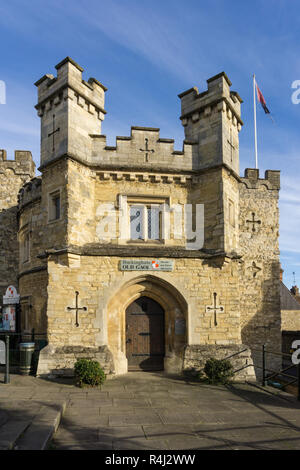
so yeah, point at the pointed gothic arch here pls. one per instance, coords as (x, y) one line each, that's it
(176, 319)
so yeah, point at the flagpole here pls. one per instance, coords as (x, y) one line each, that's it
(255, 134)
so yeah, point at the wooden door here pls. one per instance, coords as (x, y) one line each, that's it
(145, 338)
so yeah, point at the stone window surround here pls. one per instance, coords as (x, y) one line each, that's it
(231, 212)
(24, 236)
(146, 201)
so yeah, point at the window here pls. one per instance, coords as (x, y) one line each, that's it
(144, 218)
(231, 213)
(25, 313)
(25, 248)
(54, 206)
(145, 222)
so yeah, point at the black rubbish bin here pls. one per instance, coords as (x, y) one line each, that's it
(26, 354)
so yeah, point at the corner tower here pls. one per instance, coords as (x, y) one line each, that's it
(71, 109)
(213, 119)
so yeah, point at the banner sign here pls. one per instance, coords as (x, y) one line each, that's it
(146, 265)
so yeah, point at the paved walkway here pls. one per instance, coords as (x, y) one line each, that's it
(145, 410)
(150, 411)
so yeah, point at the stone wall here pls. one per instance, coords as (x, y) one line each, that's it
(260, 267)
(34, 202)
(99, 280)
(290, 320)
(33, 288)
(238, 355)
(59, 361)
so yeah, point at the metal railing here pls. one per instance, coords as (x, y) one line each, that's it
(237, 354)
(265, 370)
(276, 373)
(18, 338)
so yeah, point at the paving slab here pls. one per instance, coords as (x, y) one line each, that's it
(59, 444)
(131, 402)
(165, 431)
(134, 419)
(70, 432)
(179, 417)
(193, 443)
(113, 410)
(84, 420)
(121, 395)
(90, 402)
(140, 444)
(125, 432)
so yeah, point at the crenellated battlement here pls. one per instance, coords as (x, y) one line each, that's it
(70, 109)
(69, 85)
(30, 192)
(144, 148)
(252, 181)
(22, 164)
(217, 98)
(213, 119)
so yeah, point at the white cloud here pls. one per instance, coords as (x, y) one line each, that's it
(18, 128)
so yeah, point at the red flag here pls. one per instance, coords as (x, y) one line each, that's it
(261, 99)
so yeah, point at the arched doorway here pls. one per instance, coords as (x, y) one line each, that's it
(176, 325)
(145, 336)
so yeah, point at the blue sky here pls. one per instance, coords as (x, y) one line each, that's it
(146, 52)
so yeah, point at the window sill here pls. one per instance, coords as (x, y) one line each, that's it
(54, 220)
(145, 242)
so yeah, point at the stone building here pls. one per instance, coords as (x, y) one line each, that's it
(290, 317)
(290, 310)
(109, 230)
(295, 292)
(13, 175)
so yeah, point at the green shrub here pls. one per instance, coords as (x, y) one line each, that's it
(218, 371)
(88, 372)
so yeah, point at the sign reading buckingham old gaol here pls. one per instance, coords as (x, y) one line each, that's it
(146, 265)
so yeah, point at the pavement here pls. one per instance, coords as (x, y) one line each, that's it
(145, 411)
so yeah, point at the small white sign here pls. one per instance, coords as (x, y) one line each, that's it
(11, 296)
(2, 352)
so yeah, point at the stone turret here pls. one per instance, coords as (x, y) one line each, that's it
(71, 109)
(213, 119)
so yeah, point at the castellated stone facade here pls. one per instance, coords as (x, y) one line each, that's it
(219, 290)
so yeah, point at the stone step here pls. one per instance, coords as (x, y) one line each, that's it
(11, 431)
(39, 433)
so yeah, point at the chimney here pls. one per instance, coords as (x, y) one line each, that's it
(281, 273)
